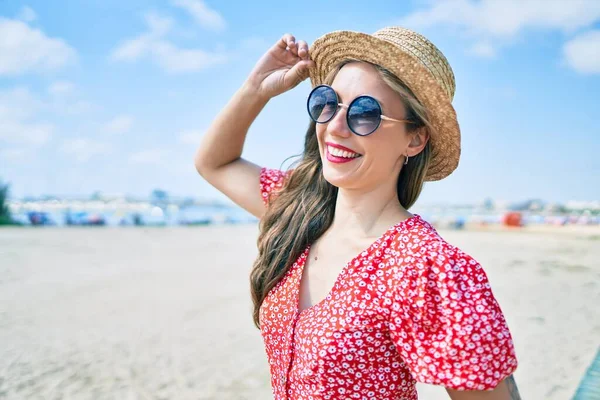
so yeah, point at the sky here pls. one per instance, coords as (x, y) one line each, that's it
(114, 96)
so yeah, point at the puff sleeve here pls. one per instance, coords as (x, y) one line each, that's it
(446, 323)
(271, 181)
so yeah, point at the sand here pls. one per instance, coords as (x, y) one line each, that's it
(165, 313)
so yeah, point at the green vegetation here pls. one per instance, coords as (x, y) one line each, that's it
(5, 218)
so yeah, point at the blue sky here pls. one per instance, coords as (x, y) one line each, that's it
(114, 96)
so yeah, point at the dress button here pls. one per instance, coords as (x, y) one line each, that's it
(283, 379)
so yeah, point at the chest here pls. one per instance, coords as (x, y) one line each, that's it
(325, 265)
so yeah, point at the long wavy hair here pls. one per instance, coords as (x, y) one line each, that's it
(304, 208)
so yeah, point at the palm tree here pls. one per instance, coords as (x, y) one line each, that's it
(5, 218)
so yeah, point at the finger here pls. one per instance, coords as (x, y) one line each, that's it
(302, 49)
(306, 67)
(293, 48)
(286, 40)
(298, 73)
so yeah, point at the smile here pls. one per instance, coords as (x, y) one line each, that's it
(338, 155)
(341, 151)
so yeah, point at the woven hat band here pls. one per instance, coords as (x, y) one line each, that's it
(425, 52)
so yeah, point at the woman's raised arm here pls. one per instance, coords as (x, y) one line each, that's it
(218, 158)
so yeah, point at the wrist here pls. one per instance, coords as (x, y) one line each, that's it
(251, 90)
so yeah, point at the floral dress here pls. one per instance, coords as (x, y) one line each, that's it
(411, 307)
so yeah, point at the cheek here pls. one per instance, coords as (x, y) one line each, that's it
(320, 129)
(383, 152)
(320, 132)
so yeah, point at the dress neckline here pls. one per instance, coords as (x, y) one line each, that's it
(415, 217)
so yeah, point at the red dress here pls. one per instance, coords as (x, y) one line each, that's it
(411, 307)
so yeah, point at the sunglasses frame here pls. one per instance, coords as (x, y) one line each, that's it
(348, 107)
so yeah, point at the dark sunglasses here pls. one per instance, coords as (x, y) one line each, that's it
(363, 114)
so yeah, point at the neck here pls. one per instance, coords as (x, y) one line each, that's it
(367, 214)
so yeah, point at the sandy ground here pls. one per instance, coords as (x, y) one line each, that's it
(131, 313)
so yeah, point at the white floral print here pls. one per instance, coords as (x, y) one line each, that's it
(409, 308)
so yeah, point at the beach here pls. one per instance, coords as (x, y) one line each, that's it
(165, 313)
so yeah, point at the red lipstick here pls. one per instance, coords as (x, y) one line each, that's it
(336, 159)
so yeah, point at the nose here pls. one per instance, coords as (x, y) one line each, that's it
(338, 125)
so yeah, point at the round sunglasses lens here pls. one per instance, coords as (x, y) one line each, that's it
(322, 104)
(364, 115)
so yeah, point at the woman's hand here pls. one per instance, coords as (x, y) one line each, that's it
(281, 68)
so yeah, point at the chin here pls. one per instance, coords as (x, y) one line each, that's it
(337, 178)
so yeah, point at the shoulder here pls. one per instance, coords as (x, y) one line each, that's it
(271, 181)
(433, 277)
(271, 178)
(443, 316)
(416, 239)
(420, 251)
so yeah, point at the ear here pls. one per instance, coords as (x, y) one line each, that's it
(419, 139)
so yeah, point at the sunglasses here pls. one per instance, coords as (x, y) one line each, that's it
(363, 114)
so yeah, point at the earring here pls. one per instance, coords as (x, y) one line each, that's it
(406, 160)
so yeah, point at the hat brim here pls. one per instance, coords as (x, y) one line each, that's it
(333, 47)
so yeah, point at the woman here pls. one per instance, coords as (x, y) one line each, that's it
(355, 296)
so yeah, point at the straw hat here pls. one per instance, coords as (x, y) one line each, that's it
(419, 64)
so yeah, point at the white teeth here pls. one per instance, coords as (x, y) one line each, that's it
(341, 153)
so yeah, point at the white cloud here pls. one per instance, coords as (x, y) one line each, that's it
(483, 49)
(24, 49)
(171, 58)
(18, 106)
(65, 105)
(132, 49)
(205, 16)
(12, 154)
(159, 25)
(177, 60)
(61, 88)
(27, 14)
(192, 137)
(149, 156)
(35, 134)
(498, 21)
(582, 53)
(507, 17)
(119, 124)
(83, 149)
(18, 103)
(29, 120)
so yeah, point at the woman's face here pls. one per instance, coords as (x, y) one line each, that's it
(381, 154)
